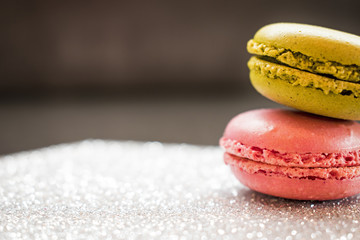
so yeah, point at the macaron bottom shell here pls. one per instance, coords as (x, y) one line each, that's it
(307, 99)
(298, 188)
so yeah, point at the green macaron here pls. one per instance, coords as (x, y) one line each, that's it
(311, 68)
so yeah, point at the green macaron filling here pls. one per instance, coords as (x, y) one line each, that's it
(300, 61)
(270, 68)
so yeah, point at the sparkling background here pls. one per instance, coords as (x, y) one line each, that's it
(131, 190)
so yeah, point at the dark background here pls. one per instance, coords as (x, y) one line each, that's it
(170, 71)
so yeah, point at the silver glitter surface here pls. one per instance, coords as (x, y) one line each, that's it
(130, 190)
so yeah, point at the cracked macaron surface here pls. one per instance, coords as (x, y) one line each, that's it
(280, 146)
(300, 61)
(310, 68)
(297, 77)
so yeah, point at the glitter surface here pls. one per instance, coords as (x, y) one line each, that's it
(131, 190)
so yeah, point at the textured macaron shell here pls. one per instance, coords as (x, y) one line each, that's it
(307, 63)
(318, 42)
(289, 131)
(297, 77)
(305, 91)
(298, 188)
(291, 159)
(307, 99)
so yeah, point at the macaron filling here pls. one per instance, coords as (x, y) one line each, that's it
(291, 159)
(303, 62)
(295, 77)
(253, 167)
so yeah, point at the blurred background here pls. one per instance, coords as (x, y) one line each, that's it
(169, 71)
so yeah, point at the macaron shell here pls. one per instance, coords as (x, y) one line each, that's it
(296, 188)
(288, 131)
(307, 99)
(317, 42)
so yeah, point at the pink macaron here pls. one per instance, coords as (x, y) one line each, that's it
(295, 155)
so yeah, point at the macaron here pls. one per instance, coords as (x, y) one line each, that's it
(310, 68)
(293, 154)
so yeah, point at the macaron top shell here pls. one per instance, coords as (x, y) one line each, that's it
(290, 131)
(317, 42)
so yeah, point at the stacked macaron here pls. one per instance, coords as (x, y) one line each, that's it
(297, 154)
